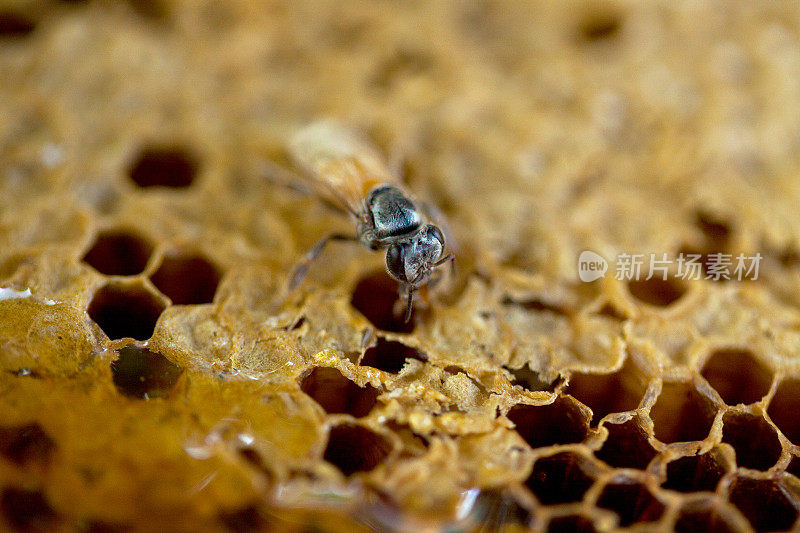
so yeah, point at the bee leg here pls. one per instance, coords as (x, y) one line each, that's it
(449, 258)
(435, 279)
(300, 271)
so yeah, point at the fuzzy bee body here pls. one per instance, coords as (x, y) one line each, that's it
(349, 172)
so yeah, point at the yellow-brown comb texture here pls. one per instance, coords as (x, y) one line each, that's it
(153, 376)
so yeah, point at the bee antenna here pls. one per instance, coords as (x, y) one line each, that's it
(409, 304)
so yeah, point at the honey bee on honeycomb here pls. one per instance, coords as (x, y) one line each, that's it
(618, 352)
(346, 170)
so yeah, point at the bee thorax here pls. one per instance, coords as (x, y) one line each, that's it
(393, 214)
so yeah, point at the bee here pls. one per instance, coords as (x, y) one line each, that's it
(349, 172)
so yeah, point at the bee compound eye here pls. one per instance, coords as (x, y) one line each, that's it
(395, 262)
(436, 233)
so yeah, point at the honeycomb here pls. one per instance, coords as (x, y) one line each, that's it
(153, 377)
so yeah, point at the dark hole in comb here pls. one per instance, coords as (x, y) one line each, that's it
(571, 524)
(390, 356)
(737, 376)
(559, 478)
(695, 473)
(707, 519)
(187, 279)
(536, 305)
(243, 520)
(26, 444)
(15, 25)
(600, 26)
(374, 297)
(794, 466)
(764, 503)
(531, 380)
(337, 394)
(119, 253)
(626, 446)
(560, 422)
(27, 510)
(716, 231)
(140, 373)
(353, 448)
(153, 10)
(655, 291)
(755, 441)
(632, 501)
(682, 414)
(125, 311)
(158, 166)
(608, 393)
(784, 407)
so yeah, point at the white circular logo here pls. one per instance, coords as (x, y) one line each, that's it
(591, 266)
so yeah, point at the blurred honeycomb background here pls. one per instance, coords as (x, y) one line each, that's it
(153, 378)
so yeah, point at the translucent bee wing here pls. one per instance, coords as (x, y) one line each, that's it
(341, 166)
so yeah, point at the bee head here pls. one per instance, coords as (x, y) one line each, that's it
(413, 260)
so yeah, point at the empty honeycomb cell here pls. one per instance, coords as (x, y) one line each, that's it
(631, 500)
(376, 297)
(573, 523)
(715, 230)
(187, 278)
(608, 393)
(600, 25)
(531, 380)
(390, 356)
(26, 444)
(737, 376)
(337, 394)
(161, 166)
(560, 478)
(764, 503)
(755, 441)
(119, 253)
(656, 292)
(140, 373)
(794, 466)
(681, 413)
(706, 518)
(783, 409)
(695, 473)
(560, 422)
(626, 446)
(15, 25)
(353, 448)
(27, 510)
(125, 311)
